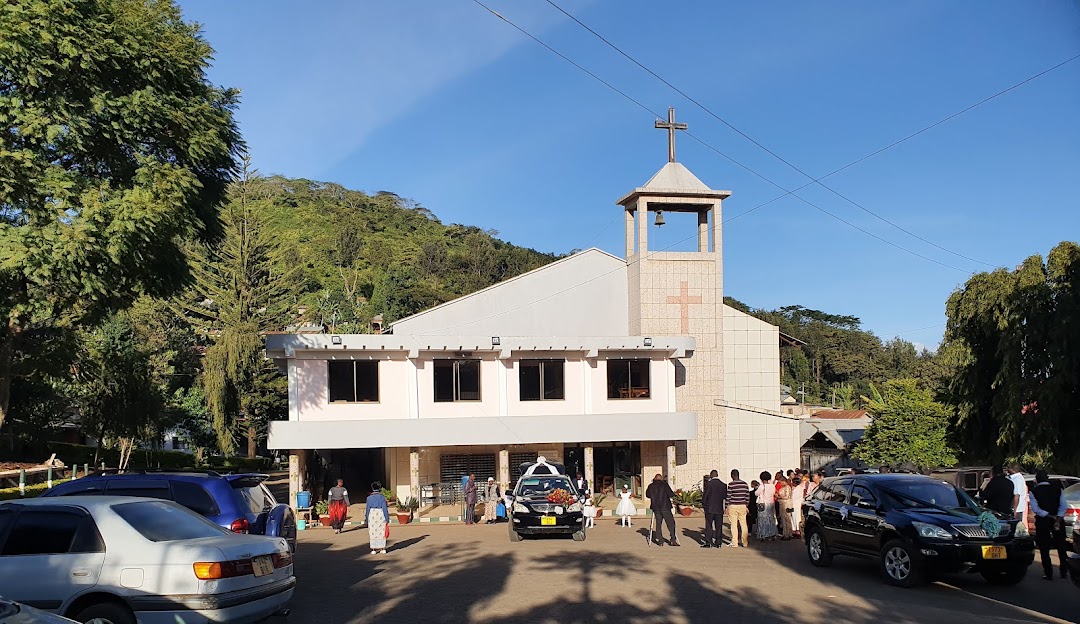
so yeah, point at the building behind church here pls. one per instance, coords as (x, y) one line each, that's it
(620, 368)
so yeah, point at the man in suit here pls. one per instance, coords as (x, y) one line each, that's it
(659, 494)
(582, 484)
(713, 502)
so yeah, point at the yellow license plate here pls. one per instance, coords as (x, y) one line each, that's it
(993, 552)
(547, 521)
(262, 566)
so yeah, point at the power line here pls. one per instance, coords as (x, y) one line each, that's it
(818, 180)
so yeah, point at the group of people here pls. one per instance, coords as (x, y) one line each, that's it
(776, 502)
(491, 497)
(376, 515)
(1009, 495)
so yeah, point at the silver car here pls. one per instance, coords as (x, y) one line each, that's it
(122, 560)
(15, 613)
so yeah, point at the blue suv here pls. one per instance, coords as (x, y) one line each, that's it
(238, 502)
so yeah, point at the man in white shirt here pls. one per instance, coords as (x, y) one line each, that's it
(1020, 493)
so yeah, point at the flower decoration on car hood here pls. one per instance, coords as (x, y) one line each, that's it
(561, 497)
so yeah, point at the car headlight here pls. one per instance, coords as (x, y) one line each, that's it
(932, 531)
(519, 508)
(574, 507)
(1021, 530)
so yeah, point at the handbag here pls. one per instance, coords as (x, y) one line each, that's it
(761, 506)
(386, 533)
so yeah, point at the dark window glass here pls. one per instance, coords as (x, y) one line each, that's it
(81, 487)
(134, 487)
(7, 518)
(194, 497)
(88, 539)
(861, 494)
(165, 522)
(367, 382)
(44, 532)
(541, 380)
(832, 492)
(628, 379)
(457, 380)
(971, 480)
(340, 375)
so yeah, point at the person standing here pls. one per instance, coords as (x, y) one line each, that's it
(766, 508)
(783, 502)
(470, 500)
(812, 486)
(1049, 507)
(582, 485)
(738, 505)
(798, 495)
(713, 503)
(491, 501)
(626, 507)
(589, 513)
(1020, 493)
(378, 519)
(752, 514)
(338, 509)
(997, 495)
(659, 494)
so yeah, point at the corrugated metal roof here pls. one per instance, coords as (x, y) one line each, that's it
(841, 414)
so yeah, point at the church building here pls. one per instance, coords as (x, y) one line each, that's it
(620, 368)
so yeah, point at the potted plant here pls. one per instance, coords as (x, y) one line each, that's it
(686, 500)
(322, 512)
(406, 508)
(597, 499)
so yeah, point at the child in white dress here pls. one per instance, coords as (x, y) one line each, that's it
(590, 513)
(625, 508)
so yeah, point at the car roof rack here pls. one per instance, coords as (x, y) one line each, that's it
(152, 471)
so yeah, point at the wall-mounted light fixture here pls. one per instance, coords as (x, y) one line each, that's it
(648, 342)
(335, 339)
(495, 341)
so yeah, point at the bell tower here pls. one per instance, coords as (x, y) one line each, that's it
(681, 293)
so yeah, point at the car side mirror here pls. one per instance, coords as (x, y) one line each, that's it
(864, 504)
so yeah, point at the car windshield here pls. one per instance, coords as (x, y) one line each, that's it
(1072, 493)
(933, 494)
(166, 522)
(538, 486)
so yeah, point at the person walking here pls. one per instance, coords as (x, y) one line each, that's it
(1048, 505)
(378, 519)
(738, 505)
(470, 500)
(626, 507)
(659, 494)
(712, 502)
(766, 507)
(783, 502)
(1020, 493)
(997, 494)
(491, 501)
(338, 509)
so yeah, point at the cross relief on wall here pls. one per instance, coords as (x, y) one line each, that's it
(684, 300)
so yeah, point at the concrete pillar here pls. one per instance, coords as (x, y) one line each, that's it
(703, 230)
(589, 472)
(504, 469)
(717, 227)
(642, 214)
(414, 473)
(294, 477)
(671, 465)
(629, 218)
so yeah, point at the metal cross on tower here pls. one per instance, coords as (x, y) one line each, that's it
(671, 127)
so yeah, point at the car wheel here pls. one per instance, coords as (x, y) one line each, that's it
(514, 535)
(1005, 576)
(105, 613)
(579, 536)
(898, 566)
(817, 549)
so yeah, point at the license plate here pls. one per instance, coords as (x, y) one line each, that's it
(993, 552)
(547, 520)
(262, 565)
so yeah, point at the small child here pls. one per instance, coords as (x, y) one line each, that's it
(626, 507)
(589, 513)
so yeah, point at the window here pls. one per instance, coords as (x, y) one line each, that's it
(82, 487)
(194, 497)
(541, 380)
(353, 381)
(457, 380)
(628, 379)
(971, 480)
(52, 532)
(860, 494)
(136, 487)
(165, 522)
(832, 492)
(257, 498)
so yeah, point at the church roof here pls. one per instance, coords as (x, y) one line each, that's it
(674, 180)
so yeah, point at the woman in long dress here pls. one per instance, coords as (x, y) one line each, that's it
(798, 494)
(491, 501)
(378, 519)
(766, 503)
(339, 505)
(783, 501)
(625, 509)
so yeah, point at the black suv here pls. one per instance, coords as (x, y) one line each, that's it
(531, 511)
(915, 526)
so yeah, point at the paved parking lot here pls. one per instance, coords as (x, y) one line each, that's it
(455, 573)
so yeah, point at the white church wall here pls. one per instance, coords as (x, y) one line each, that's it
(751, 361)
(312, 391)
(582, 295)
(758, 442)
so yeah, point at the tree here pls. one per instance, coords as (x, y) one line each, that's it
(240, 292)
(909, 426)
(1016, 336)
(114, 148)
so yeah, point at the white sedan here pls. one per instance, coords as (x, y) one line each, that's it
(121, 560)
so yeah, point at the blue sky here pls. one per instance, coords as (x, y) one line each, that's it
(441, 102)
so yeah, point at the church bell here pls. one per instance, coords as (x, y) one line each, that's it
(659, 219)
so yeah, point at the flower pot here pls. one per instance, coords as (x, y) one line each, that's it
(686, 511)
(403, 518)
(324, 520)
(599, 512)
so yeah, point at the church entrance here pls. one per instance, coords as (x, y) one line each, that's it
(614, 464)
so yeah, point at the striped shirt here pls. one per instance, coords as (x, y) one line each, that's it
(738, 493)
